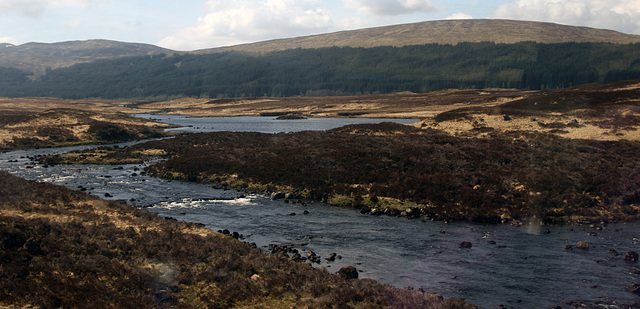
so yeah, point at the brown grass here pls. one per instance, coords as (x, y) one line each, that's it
(27, 128)
(63, 248)
(605, 112)
(442, 32)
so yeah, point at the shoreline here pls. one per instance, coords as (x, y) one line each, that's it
(417, 173)
(127, 256)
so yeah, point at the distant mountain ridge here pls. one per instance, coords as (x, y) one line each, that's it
(443, 32)
(39, 57)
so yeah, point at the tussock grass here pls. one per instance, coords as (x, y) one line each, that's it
(64, 248)
(511, 176)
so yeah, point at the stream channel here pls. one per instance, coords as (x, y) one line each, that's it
(517, 267)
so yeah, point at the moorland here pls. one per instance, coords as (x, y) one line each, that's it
(49, 122)
(516, 121)
(62, 248)
(464, 161)
(559, 156)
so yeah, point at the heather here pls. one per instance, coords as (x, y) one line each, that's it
(503, 178)
(63, 248)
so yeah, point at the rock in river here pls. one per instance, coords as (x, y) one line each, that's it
(277, 195)
(582, 244)
(635, 289)
(631, 256)
(349, 272)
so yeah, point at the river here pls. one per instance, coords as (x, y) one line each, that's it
(517, 267)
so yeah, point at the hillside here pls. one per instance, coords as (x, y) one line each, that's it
(335, 71)
(443, 32)
(37, 57)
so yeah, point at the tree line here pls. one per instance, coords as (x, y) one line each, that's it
(335, 71)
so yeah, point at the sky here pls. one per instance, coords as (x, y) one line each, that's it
(187, 25)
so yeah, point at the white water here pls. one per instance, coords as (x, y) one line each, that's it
(523, 269)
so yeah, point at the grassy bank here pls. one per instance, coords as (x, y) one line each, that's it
(63, 248)
(24, 129)
(393, 167)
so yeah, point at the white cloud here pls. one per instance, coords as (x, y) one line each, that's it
(72, 22)
(8, 39)
(459, 16)
(241, 21)
(621, 15)
(389, 7)
(35, 8)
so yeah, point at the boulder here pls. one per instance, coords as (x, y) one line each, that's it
(290, 196)
(11, 241)
(631, 256)
(298, 258)
(506, 117)
(331, 257)
(635, 289)
(348, 272)
(465, 245)
(165, 297)
(277, 195)
(573, 123)
(412, 212)
(583, 244)
(33, 247)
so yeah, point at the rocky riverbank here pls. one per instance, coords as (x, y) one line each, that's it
(397, 169)
(64, 248)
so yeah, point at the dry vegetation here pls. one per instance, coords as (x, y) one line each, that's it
(30, 123)
(601, 112)
(505, 178)
(562, 155)
(398, 105)
(594, 112)
(442, 32)
(41, 57)
(63, 248)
